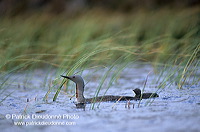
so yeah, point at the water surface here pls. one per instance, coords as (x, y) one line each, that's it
(173, 110)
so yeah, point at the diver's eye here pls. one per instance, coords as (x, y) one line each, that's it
(73, 76)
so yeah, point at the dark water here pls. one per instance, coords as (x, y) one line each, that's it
(174, 110)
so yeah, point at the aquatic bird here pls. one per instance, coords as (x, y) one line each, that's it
(80, 99)
(139, 94)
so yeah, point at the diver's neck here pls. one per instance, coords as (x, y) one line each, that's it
(79, 93)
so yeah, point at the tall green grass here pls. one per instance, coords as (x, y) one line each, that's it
(58, 41)
(168, 39)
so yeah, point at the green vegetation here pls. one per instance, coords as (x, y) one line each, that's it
(168, 39)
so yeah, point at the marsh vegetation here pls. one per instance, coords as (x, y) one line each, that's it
(111, 50)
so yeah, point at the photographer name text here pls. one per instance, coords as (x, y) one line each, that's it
(45, 116)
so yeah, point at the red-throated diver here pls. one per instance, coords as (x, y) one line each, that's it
(81, 99)
(80, 89)
(139, 95)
